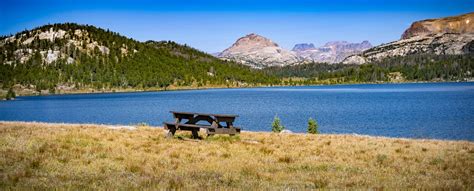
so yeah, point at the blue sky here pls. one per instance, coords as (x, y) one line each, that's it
(212, 25)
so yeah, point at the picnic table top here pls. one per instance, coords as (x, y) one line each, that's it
(205, 114)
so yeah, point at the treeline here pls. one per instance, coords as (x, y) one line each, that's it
(423, 67)
(144, 65)
(412, 68)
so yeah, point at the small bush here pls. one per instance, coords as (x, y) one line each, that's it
(312, 126)
(276, 125)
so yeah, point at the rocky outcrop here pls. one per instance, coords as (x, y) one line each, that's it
(28, 43)
(258, 52)
(332, 52)
(446, 36)
(458, 24)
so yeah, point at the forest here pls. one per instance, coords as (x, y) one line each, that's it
(147, 64)
(421, 67)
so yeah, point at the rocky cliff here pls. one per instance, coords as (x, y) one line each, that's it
(458, 24)
(258, 52)
(445, 36)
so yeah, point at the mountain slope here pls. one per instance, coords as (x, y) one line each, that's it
(258, 52)
(445, 36)
(69, 56)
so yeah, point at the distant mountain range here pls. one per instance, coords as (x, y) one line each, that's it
(331, 52)
(260, 52)
(445, 36)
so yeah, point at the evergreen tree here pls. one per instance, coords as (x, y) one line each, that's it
(276, 125)
(313, 126)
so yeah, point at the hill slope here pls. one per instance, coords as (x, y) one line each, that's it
(69, 56)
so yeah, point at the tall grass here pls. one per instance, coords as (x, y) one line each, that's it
(44, 156)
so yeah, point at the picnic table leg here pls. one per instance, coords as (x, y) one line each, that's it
(230, 125)
(195, 133)
(170, 133)
(214, 124)
(172, 129)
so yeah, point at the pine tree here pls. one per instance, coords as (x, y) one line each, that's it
(276, 125)
(312, 126)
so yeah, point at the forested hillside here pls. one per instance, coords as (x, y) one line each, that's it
(71, 56)
(421, 67)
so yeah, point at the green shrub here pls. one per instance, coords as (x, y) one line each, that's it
(312, 126)
(276, 125)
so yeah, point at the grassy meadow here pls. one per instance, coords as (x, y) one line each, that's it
(46, 156)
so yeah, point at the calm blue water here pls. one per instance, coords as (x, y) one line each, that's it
(432, 110)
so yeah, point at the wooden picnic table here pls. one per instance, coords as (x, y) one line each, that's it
(194, 121)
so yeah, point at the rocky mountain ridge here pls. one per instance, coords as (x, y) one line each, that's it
(332, 52)
(260, 52)
(444, 36)
(54, 44)
(456, 24)
(303, 47)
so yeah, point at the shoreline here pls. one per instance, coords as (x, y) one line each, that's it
(80, 92)
(136, 126)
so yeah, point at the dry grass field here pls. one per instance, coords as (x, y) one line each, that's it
(46, 156)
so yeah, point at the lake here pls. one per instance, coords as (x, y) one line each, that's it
(418, 110)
